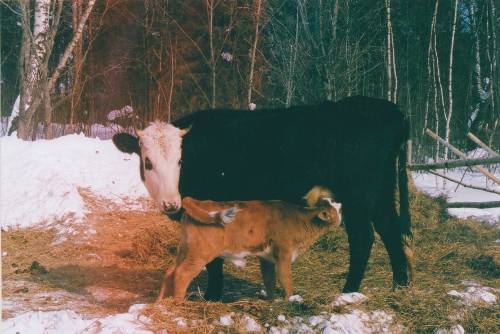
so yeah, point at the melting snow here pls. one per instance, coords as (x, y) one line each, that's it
(349, 298)
(348, 323)
(456, 329)
(475, 295)
(433, 185)
(226, 320)
(69, 322)
(296, 299)
(41, 178)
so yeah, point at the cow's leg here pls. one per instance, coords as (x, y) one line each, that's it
(387, 225)
(360, 236)
(215, 279)
(268, 271)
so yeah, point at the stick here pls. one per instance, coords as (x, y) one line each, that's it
(462, 155)
(456, 163)
(465, 184)
(477, 205)
(483, 145)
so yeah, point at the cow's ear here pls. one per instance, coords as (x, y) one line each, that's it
(126, 143)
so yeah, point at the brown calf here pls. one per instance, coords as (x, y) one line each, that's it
(274, 231)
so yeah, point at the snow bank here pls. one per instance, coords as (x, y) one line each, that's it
(40, 179)
(433, 185)
(69, 322)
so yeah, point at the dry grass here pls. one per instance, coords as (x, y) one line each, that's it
(127, 255)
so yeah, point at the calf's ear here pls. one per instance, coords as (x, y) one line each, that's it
(126, 143)
(324, 215)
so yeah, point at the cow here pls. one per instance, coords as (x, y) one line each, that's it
(275, 231)
(356, 146)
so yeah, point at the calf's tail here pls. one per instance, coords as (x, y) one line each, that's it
(404, 207)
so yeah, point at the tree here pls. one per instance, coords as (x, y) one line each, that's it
(37, 48)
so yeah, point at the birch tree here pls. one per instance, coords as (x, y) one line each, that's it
(37, 48)
(258, 6)
(450, 80)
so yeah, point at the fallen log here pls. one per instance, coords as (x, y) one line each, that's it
(483, 145)
(462, 155)
(456, 163)
(477, 205)
(464, 184)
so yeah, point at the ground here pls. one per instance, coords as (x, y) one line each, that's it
(84, 251)
(117, 258)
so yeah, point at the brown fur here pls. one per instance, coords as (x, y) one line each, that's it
(273, 230)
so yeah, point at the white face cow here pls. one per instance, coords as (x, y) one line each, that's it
(159, 148)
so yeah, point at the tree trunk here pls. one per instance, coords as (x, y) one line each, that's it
(210, 11)
(477, 90)
(450, 81)
(254, 51)
(34, 74)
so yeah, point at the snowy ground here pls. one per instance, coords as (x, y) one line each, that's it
(42, 183)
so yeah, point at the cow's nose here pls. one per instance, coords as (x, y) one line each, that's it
(170, 207)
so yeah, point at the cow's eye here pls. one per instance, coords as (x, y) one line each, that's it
(148, 164)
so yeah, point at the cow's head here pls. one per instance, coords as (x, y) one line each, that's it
(159, 148)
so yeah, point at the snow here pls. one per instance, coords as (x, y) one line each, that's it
(456, 329)
(349, 298)
(69, 322)
(433, 185)
(226, 320)
(296, 299)
(475, 295)
(355, 321)
(41, 178)
(125, 112)
(249, 324)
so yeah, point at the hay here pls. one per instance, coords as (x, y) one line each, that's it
(131, 250)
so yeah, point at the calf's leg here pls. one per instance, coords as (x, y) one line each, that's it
(215, 279)
(360, 236)
(284, 264)
(167, 284)
(268, 271)
(184, 274)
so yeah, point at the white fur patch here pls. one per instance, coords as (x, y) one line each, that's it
(238, 259)
(294, 256)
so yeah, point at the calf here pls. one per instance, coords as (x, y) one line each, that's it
(275, 231)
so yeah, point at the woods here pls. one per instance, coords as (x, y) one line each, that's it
(73, 62)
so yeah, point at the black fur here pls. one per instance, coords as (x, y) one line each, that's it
(350, 147)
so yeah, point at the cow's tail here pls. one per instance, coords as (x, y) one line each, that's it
(404, 206)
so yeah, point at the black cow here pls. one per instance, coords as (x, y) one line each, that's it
(351, 146)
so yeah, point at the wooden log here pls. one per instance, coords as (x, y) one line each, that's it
(477, 205)
(462, 155)
(464, 184)
(456, 163)
(483, 145)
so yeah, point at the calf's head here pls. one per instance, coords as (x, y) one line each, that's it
(329, 211)
(160, 153)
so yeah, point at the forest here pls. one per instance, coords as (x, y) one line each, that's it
(128, 62)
